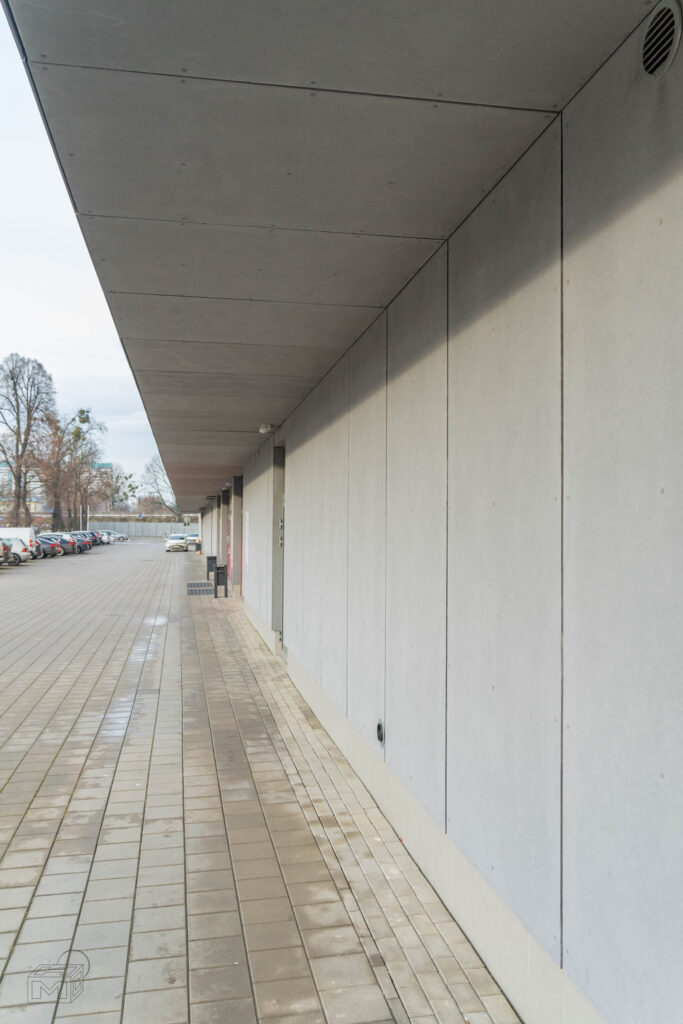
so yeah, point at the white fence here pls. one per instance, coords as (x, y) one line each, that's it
(139, 528)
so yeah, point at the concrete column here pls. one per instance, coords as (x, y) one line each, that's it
(223, 511)
(278, 527)
(210, 530)
(217, 529)
(236, 535)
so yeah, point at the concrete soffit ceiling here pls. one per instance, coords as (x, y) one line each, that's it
(255, 181)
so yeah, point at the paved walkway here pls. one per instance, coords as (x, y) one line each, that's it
(182, 840)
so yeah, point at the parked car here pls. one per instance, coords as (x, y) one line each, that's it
(5, 552)
(78, 541)
(176, 542)
(50, 548)
(18, 552)
(67, 544)
(83, 540)
(194, 538)
(51, 539)
(26, 533)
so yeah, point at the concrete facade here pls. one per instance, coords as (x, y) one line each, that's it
(504, 539)
(452, 296)
(417, 442)
(499, 702)
(623, 560)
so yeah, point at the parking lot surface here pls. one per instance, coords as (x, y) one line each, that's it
(181, 839)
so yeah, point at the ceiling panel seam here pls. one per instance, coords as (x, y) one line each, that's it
(247, 345)
(311, 90)
(185, 222)
(229, 298)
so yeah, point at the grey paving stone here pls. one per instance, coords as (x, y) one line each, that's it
(264, 911)
(342, 971)
(102, 995)
(285, 996)
(331, 941)
(218, 983)
(201, 783)
(211, 901)
(274, 964)
(272, 935)
(149, 975)
(227, 1011)
(151, 945)
(358, 1005)
(164, 1006)
(213, 952)
(217, 925)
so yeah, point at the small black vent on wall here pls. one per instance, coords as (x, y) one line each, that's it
(661, 40)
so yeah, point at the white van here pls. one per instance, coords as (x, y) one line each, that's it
(26, 533)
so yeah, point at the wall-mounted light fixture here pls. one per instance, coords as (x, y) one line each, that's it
(265, 428)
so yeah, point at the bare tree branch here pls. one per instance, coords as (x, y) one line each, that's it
(27, 398)
(156, 486)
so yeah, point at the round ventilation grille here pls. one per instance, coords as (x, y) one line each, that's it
(661, 40)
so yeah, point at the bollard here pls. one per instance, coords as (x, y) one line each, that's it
(210, 564)
(220, 579)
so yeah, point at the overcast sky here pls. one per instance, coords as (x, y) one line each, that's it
(51, 304)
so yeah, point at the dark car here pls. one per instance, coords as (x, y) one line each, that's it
(94, 536)
(66, 543)
(50, 548)
(83, 540)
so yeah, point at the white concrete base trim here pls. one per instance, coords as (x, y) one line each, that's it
(536, 986)
(270, 638)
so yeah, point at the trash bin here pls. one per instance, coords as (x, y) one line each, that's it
(220, 579)
(210, 564)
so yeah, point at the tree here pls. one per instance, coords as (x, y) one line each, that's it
(120, 488)
(65, 453)
(156, 486)
(27, 398)
(87, 481)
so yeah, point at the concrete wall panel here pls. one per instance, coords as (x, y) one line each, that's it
(367, 530)
(295, 536)
(311, 466)
(258, 555)
(504, 540)
(623, 817)
(416, 535)
(334, 482)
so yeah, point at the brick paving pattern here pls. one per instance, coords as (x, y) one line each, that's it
(181, 840)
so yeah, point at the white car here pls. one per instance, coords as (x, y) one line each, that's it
(176, 542)
(19, 552)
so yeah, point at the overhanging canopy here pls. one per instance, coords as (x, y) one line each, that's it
(256, 180)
